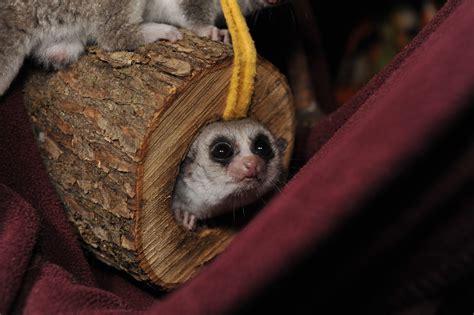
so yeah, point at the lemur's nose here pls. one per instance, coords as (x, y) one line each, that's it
(250, 166)
(246, 167)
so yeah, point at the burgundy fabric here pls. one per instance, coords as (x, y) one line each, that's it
(378, 221)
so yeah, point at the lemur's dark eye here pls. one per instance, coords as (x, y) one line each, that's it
(261, 146)
(222, 151)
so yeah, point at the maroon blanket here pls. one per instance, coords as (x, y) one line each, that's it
(380, 220)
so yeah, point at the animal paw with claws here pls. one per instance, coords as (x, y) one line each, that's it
(59, 55)
(155, 31)
(214, 33)
(186, 218)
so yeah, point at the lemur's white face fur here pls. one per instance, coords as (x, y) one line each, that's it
(230, 164)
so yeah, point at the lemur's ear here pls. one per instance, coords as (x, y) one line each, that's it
(281, 145)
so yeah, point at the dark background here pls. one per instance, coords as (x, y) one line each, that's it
(324, 28)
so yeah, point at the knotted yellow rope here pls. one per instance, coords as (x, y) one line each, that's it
(245, 62)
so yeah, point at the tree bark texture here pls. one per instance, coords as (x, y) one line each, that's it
(113, 129)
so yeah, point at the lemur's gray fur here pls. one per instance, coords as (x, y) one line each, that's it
(55, 32)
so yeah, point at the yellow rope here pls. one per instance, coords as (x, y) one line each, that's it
(245, 62)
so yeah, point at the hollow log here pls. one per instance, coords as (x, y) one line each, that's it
(113, 129)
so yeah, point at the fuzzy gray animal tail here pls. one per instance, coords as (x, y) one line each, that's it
(13, 51)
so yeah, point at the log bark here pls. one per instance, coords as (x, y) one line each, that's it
(113, 129)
